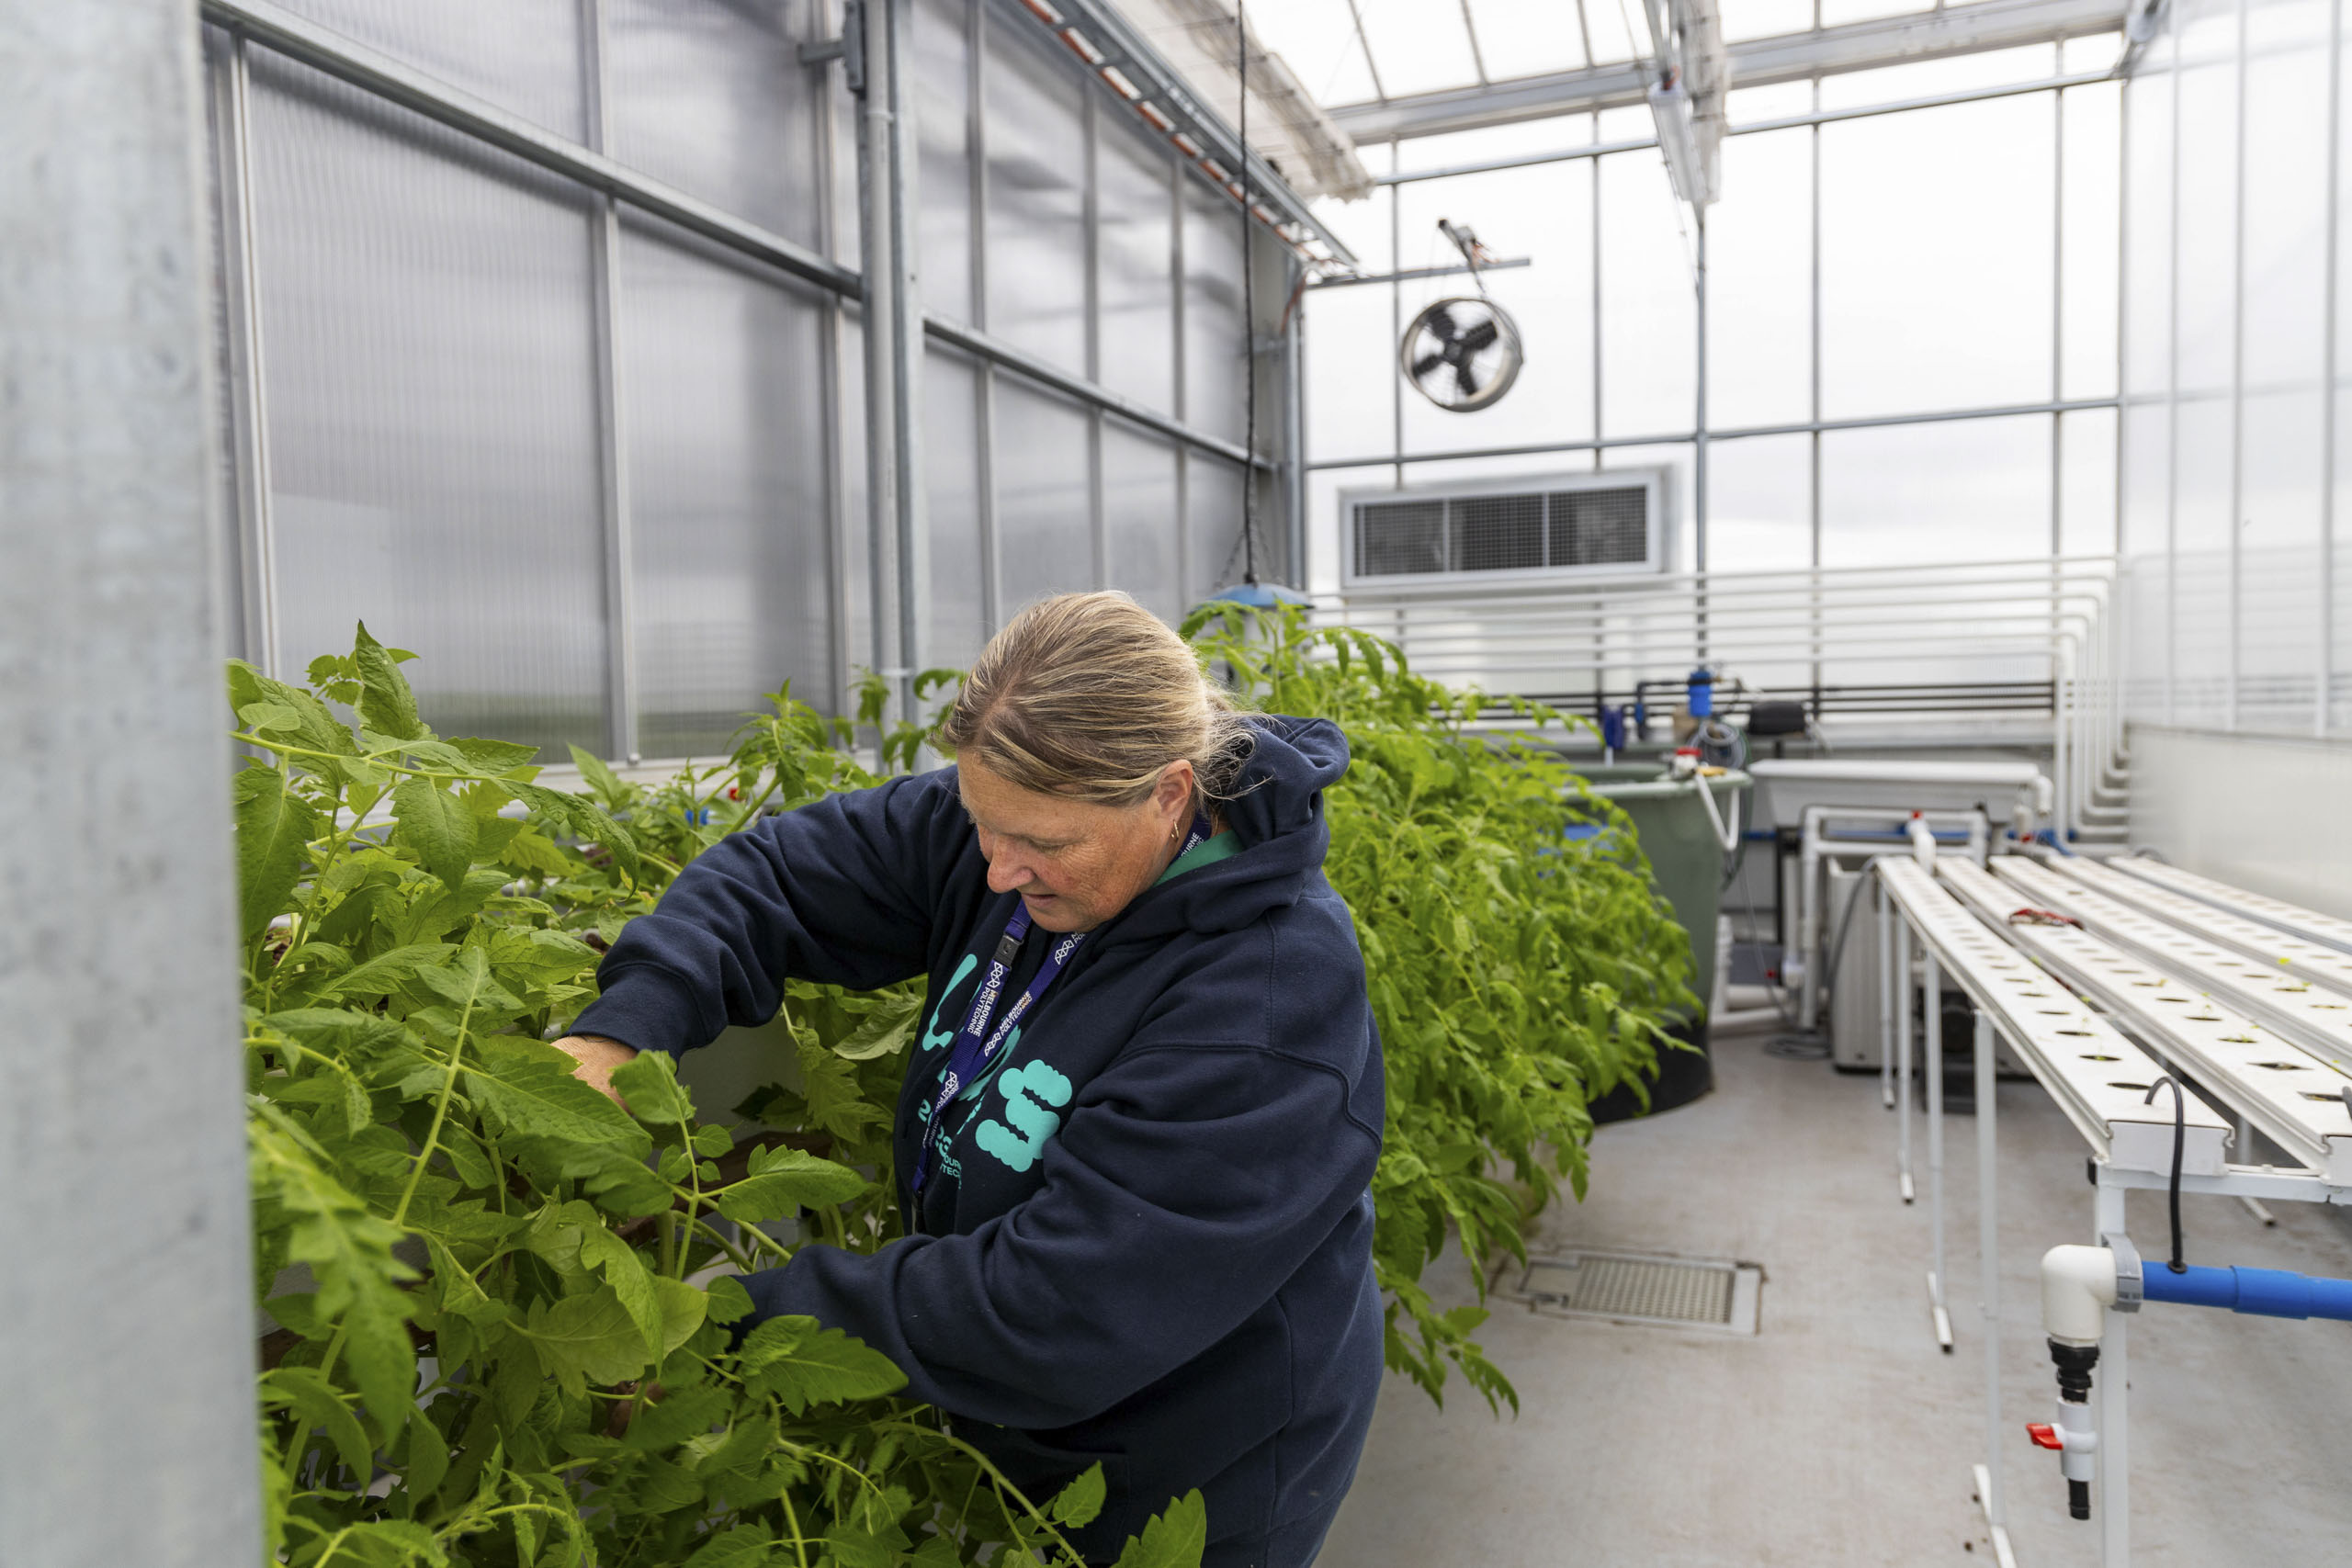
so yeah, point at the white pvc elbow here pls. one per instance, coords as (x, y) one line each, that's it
(2077, 1287)
(1923, 842)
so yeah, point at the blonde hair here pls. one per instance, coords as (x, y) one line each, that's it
(1090, 695)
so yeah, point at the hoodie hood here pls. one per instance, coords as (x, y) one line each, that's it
(1276, 811)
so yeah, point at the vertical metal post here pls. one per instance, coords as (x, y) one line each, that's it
(1814, 439)
(130, 1434)
(1594, 164)
(2237, 392)
(1932, 1013)
(1395, 318)
(1185, 576)
(832, 357)
(879, 276)
(2171, 637)
(1090, 289)
(1295, 427)
(248, 393)
(2322, 703)
(612, 433)
(1886, 992)
(2113, 1391)
(1698, 441)
(911, 513)
(1988, 1273)
(992, 608)
(2057, 340)
(1903, 1056)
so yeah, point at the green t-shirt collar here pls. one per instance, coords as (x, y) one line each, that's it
(1208, 852)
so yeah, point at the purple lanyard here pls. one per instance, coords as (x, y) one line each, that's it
(976, 1044)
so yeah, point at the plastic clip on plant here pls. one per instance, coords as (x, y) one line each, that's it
(507, 1336)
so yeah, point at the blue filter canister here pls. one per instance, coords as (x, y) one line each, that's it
(1702, 694)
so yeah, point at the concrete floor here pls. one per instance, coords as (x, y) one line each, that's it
(1839, 1434)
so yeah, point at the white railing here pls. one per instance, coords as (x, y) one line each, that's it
(1982, 623)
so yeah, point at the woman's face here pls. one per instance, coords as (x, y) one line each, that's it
(1074, 863)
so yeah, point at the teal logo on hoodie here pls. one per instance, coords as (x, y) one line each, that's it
(1034, 1094)
(935, 1037)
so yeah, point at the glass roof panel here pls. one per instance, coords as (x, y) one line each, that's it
(1417, 46)
(1928, 78)
(1317, 38)
(1765, 18)
(1834, 13)
(1617, 33)
(1527, 38)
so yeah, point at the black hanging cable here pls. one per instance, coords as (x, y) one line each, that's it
(1248, 315)
(2179, 1138)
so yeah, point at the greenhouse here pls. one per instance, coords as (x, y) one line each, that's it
(1175, 784)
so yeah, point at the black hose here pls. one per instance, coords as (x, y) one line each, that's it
(2179, 1141)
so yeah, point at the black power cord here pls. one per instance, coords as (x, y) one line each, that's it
(2179, 1141)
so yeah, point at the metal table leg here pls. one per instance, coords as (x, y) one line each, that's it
(2112, 1390)
(1989, 1249)
(1903, 1057)
(1934, 1068)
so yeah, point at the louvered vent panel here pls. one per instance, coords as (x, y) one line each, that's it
(1495, 532)
(1394, 538)
(1600, 527)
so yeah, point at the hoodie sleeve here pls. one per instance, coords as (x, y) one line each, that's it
(1189, 1184)
(843, 891)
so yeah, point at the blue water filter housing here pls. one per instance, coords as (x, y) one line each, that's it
(1702, 694)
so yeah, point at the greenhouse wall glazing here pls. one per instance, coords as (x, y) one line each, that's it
(2234, 443)
(607, 474)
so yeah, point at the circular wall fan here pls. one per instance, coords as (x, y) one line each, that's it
(1462, 354)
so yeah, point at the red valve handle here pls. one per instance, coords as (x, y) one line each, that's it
(2044, 1435)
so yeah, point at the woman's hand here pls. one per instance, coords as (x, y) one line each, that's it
(598, 1057)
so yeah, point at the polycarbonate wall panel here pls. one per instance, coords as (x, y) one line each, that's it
(1036, 113)
(1136, 265)
(2091, 213)
(1142, 533)
(1213, 524)
(711, 97)
(722, 403)
(943, 79)
(1648, 302)
(1759, 504)
(1044, 524)
(1936, 253)
(2237, 581)
(959, 566)
(1214, 347)
(430, 386)
(1917, 494)
(524, 56)
(1760, 299)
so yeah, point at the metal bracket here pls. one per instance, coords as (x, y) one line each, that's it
(2130, 1290)
(849, 48)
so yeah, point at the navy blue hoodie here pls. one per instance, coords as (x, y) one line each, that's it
(1151, 1245)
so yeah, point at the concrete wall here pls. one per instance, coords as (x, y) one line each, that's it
(2265, 813)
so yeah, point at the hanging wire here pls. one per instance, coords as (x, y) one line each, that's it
(1248, 313)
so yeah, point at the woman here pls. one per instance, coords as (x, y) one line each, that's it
(1138, 1129)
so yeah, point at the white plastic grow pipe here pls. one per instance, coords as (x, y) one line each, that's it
(1815, 845)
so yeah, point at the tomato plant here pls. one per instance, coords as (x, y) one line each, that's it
(1515, 973)
(507, 1332)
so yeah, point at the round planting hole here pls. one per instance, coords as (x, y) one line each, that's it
(2139, 1087)
(2282, 1066)
(2239, 1039)
(2095, 1056)
(2083, 1034)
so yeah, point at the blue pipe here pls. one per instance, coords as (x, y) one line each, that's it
(2265, 1293)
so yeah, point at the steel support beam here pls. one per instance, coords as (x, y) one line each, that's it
(127, 1432)
(1757, 63)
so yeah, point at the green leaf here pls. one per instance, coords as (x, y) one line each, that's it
(726, 1300)
(600, 778)
(437, 826)
(785, 1181)
(273, 826)
(682, 1308)
(883, 1030)
(314, 1400)
(494, 756)
(630, 1280)
(1078, 1502)
(428, 1460)
(528, 1089)
(386, 705)
(744, 1546)
(803, 1364)
(585, 1338)
(387, 972)
(648, 1081)
(1175, 1539)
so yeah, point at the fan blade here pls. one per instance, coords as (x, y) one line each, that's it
(1480, 337)
(1441, 321)
(1464, 380)
(1426, 364)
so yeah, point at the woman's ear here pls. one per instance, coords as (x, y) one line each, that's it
(1173, 794)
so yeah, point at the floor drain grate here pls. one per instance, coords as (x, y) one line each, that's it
(1634, 1287)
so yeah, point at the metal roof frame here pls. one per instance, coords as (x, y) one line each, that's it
(1754, 63)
